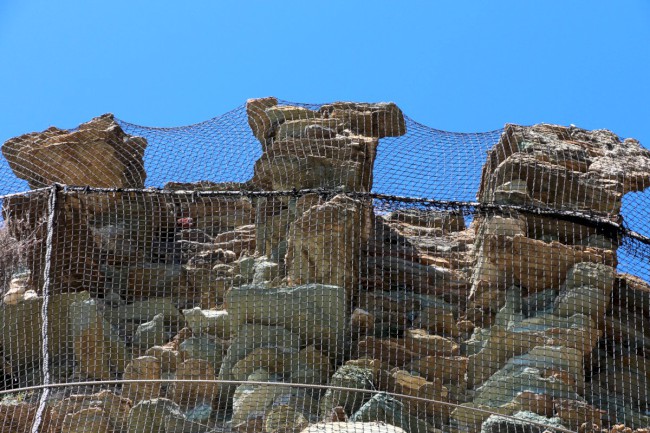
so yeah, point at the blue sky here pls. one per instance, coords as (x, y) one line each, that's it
(453, 65)
(463, 65)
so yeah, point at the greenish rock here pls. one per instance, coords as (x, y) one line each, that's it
(210, 322)
(523, 423)
(348, 376)
(383, 408)
(316, 312)
(525, 373)
(144, 311)
(248, 338)
(161, 415)
(264, 271)
(203, 347)
(587, 300)
(151, 333)
(591, 274)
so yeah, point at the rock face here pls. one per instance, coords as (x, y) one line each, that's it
(256, 307)
(98, 153)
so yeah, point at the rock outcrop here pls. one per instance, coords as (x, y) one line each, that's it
(97, 153)
(259, 307)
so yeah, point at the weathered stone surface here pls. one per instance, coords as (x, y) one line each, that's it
(537, 265)
(147, 368)
(302, 162)
(113, 407)
(627, 162)
(422, 343)
(541, 404)
(450, 369)
(145, 311)
(248, 338)
(17, 417)
(160, 415)
(383, 408)
(90, 420)
(283, 418)
(586, 300)
(211, 322)
(260, 122)
(589, 274)
(352, 427)
(98, 351)
(556, 371)
(21, 331)
(348, 376)
(574, 413)
(316, 312)
(312, 366)
(275, 360)
(251, 401)
(204, 347)
(382, 119)
(150, 280)
(189, 394)
(168, 357)
(500, 346)
(329, 255)
(431, 392)
(151, 333)
(524, 423)
(98, 153)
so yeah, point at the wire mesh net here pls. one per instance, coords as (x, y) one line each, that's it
(334, 267)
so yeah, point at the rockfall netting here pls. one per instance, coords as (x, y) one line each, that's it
(323, 268)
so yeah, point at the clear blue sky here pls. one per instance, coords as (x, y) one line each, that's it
(456, 65)
(453, 65)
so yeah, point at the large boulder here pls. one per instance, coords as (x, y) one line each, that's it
(316, 312)
(98, 350)
(329, 255)
(97, 153)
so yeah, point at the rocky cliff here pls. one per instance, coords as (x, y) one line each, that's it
(291, 302)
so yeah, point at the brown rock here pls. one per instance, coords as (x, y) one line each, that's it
(437, 321)
(284, 419)
(329, 255)
(537, 265)
(259, 122)
(541, 404)
(372, 120)
(98, 351)
(301, 162)
(90, 420)
(112, 406)
(98, 153)
(448, 369)
(189, 394)
(362, 322)
(17, 418)
(422, 343)
(574, 413)
(167, 357)
(147, 368)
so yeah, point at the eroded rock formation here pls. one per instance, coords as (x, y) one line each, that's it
(412, 318)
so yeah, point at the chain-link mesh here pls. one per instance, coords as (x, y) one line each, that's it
(334, 267)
